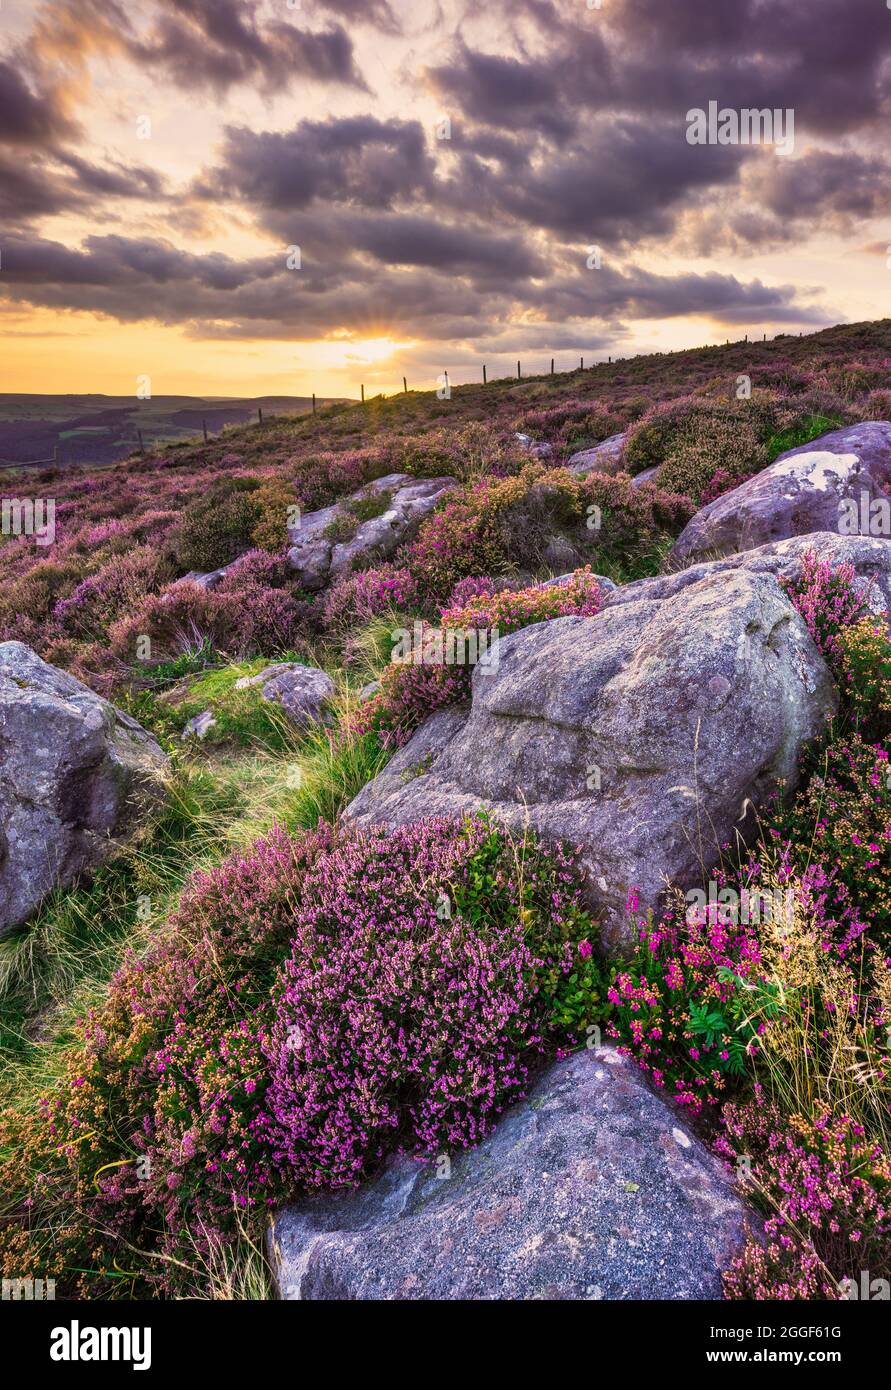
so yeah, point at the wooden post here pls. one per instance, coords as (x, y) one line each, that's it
(204, 426)
(518, 371)
(404, 387)
(313, 402)
(609, 359)
(362, 389)
(552, 366)
(581, 364)
(764, 339)
(260, 413)
(141, 446)
(484, 373)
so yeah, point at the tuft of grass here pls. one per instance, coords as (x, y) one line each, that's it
(809, 429)
(53, 966)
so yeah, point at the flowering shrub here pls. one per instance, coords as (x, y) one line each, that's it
(679, 1003)
(829, 1187)
(217, 525)
(472, 587)
(705, 443)
(409, 1010)
(842, 817)
(410, 692)
(865, 660)
(359, 597)
(461, 538)
(828, 599)
(115, 589)
(508, 610)
(240, 619)
(313, 1004)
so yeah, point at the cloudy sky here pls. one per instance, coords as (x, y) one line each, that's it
(446, 170)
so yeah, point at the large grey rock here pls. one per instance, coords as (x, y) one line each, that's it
(869, 557)
(605, 457)
(803, 491)
(592, 1188)
(318, 559)
(304, 692)
(75, 776)
(647, 735)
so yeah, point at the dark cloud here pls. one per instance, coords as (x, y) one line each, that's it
(375, 12)
(359, 160)
(567, 129)
(28, 117)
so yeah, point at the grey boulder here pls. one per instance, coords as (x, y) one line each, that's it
(647, 735)
(304, 692)
(319, 559)
(592, 1188)
(829, 484)
(605, 457)
(76, 776)
(868, 556)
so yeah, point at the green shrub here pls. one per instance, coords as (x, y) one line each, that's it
(217, 526)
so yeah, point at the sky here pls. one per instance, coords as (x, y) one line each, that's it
(247, 197)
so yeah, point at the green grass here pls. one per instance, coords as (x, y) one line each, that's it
(811, 428)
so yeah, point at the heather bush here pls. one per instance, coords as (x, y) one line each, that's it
(829, 598)
(275, 502)
(461, 538)
(865, 661)
(113, 591)
(635, 525)
(314, 1003)
(420, 988)
(468, 452)
(216, 526)
(681, 1003)
(358, 597)
(705, 444)
(438, 671)
(828, 1186)
(509, 610)
(841, 817)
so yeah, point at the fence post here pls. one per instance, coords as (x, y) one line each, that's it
(552, 366)
(518, 371)
(404, 387)
(581, 364)
(484, 373)
(313, 402)
(362, 389)
(260, 413)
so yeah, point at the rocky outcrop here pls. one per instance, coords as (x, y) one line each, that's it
(835, 483)
(605, 457)
(319, 558)
(870, 558)
(76, 775)
(304, 692)
(592, 1188)
(647, 735)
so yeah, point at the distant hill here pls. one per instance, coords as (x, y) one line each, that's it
(102, 429)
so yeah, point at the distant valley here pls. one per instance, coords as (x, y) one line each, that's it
(101, 429)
